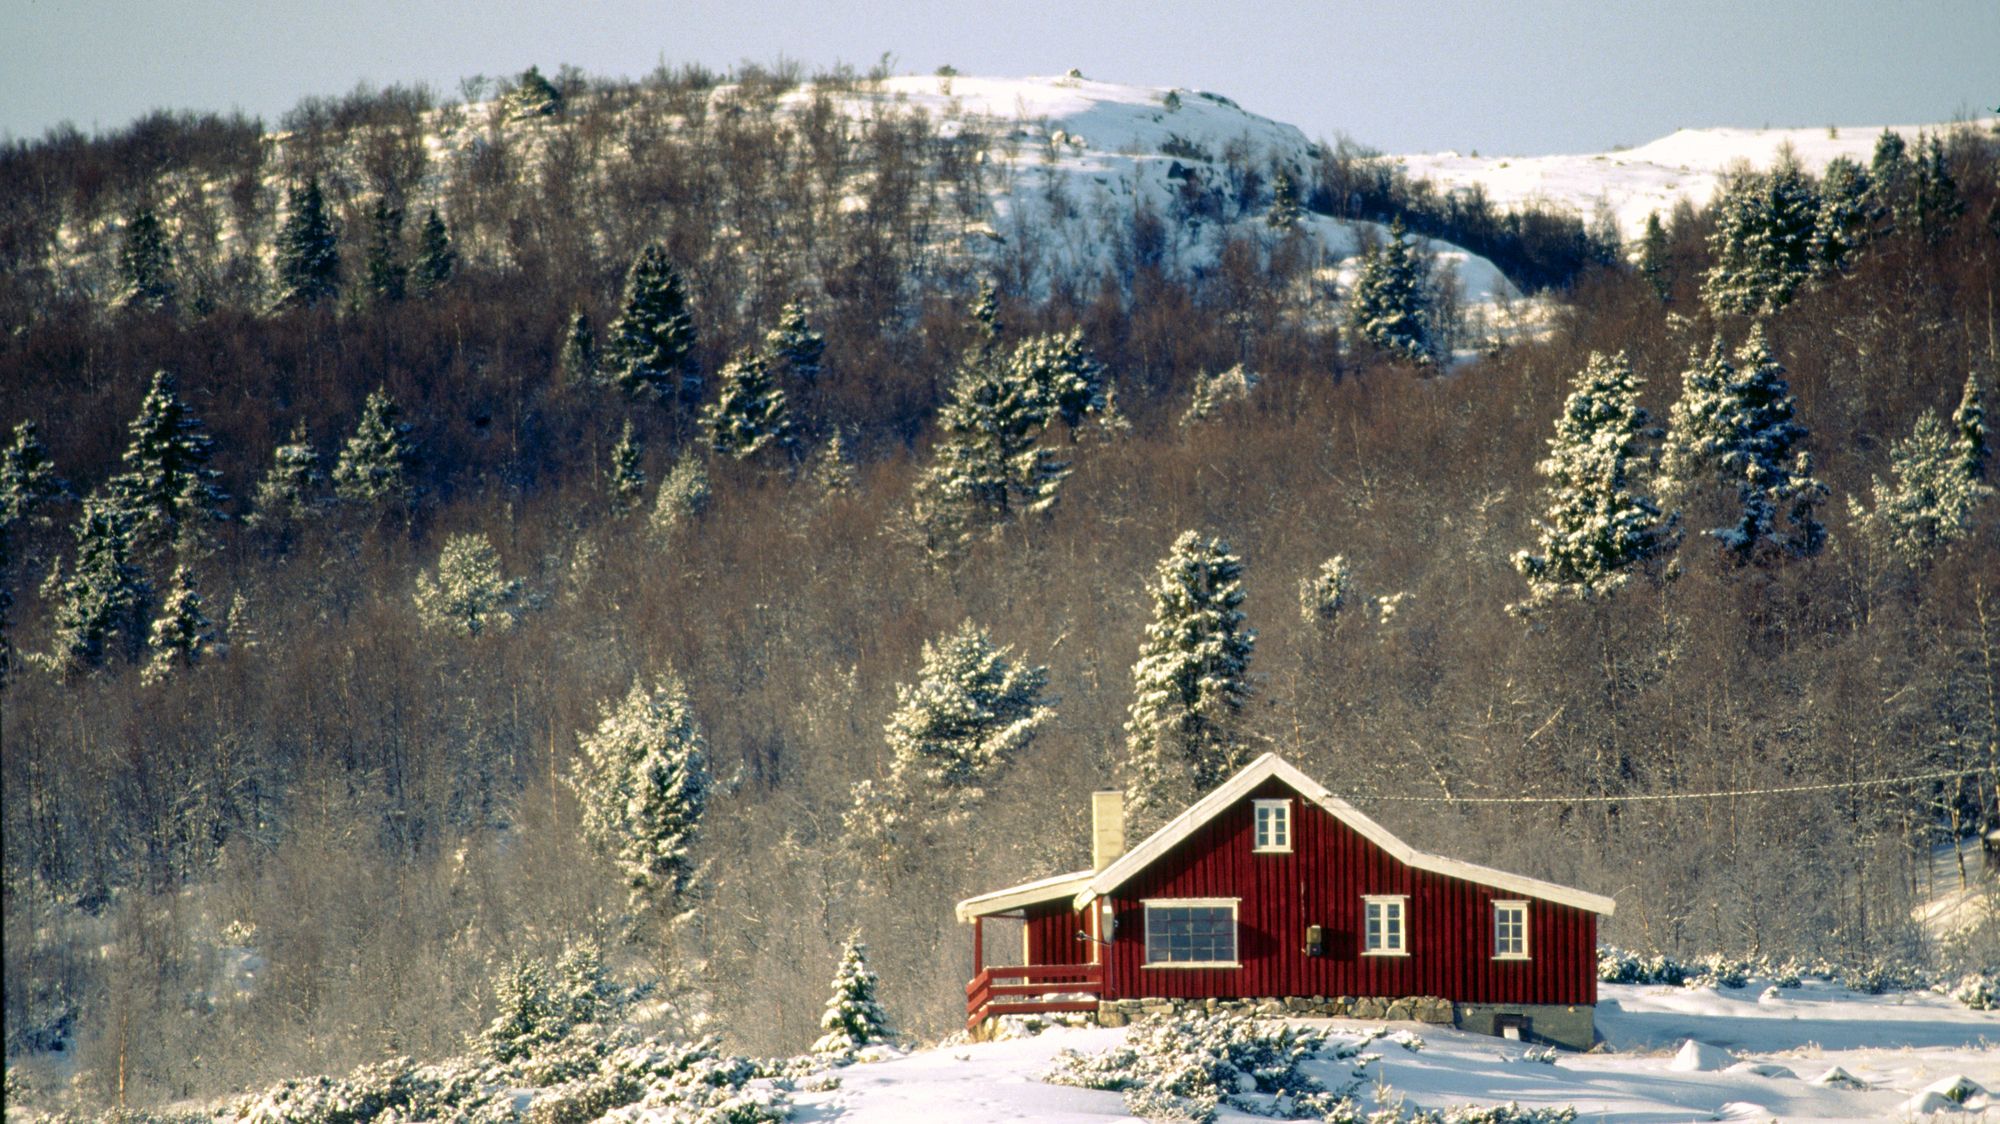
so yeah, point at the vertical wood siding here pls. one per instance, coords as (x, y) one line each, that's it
(1321, 881)
(1052, 929)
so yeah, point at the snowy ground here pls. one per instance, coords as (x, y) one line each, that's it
(1632, 183)
(1764, 1057)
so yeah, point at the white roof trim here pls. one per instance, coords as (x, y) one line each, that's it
(1271, 765)
(1027, 893)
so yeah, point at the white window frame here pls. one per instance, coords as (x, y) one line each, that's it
(1281, 819)
(1401, 905)
(1501, 908)
(1235, 939)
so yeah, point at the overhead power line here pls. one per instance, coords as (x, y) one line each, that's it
(1662, 796)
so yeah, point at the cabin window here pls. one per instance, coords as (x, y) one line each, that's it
(1510, 930)
(1274, 825)
(1384, 932)
(1191, 933)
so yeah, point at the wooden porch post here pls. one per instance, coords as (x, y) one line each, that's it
(978, 945)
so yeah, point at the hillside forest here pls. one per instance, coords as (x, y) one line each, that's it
(637, 519)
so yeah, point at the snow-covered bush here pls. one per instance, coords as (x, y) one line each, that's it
(1322, 596)
(1186, 1069)
(1979, 991)
(684, 495)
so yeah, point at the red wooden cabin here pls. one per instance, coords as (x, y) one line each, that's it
(1271, 887)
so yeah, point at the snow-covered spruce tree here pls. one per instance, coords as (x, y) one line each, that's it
(145, 264)
(308, 250)
(579, 350)
(1212, 390)
(750, 410)
(1598, 524)
(533, 96)
(651, 344)
(1763, 242)
(627, 478)
(182, 634)
(1068, 380)
(986, 316)
(1929, 505)
(1191, 681)
(1654, 263)
(1731, 436)
(832, 469)
(854, 1019)
(970, 714)
(989, 464)
(1841, 224)
(1934, 203)
(291, 491)
(373, 468)
(684, 495)
(101, 605)
(28, 477)
(1889, 176)
(436, 259)
(795, 344)
(167, 486)
(1285, 211)
(1329, 590)
(1968, 426)
(469, 595)
(643, 784)
(541, 1003)
(386, 276)
(1390, 307)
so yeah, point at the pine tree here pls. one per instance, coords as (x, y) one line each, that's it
(643, 784)
(373, 467)
(28, 477)
(182, 634)
(986, 317)
(145, 263)
(1934, 200)
(579, 350)
(1732, 429)
(436, 259)
(101, 605)
(533, 96)
(973, 710)
(469, 595)
(167, 486)
(1655, 264)
(1191, 681)
(989, 463)
(1329, 590)
(387, 275)
(832, 469)
(1285, 211)
(1389, 307)
(1842, 221)
(291, 491)
(796, 344)
(1929, 506)
(1212, 390)
(651, 347)
(1066, 378)
(628, 474)
(308, 251)
(854, 1019)
(1968, 424)
(750, 410)
(1598, 525)
(1763, 241)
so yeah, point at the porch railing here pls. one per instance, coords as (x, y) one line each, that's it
(1032, 989)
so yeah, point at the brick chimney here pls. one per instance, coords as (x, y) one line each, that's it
(1107, 827)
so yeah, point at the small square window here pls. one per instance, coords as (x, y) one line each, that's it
(1510, 930)
(1383, 930)
(1274, 825)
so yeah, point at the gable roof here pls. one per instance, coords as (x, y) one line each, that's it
(1270, 765)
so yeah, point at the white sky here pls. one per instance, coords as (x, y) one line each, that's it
(1519, 77)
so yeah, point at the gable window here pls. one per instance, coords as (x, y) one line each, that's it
(1274, 825)
(1383, 929)
(1510, 930)
(1191, 933)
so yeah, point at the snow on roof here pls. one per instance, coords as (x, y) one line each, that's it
(1027, 893)
(1269, 766)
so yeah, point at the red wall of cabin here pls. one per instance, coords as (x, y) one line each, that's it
(1321, 881)
(1052, 930)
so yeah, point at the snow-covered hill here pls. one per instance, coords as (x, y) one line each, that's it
(1818, 1052)
(1632, 183)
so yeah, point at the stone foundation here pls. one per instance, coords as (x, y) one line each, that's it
(1570, 1026)
(1415, 1008)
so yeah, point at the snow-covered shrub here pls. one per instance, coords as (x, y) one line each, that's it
(1211, 391)
(1322, 596)
(1979, 991)
(684, 495)
(395, 1089)
(1541, 1055)
(1185, 1069)
(1509, 1113)
(694, 1082)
